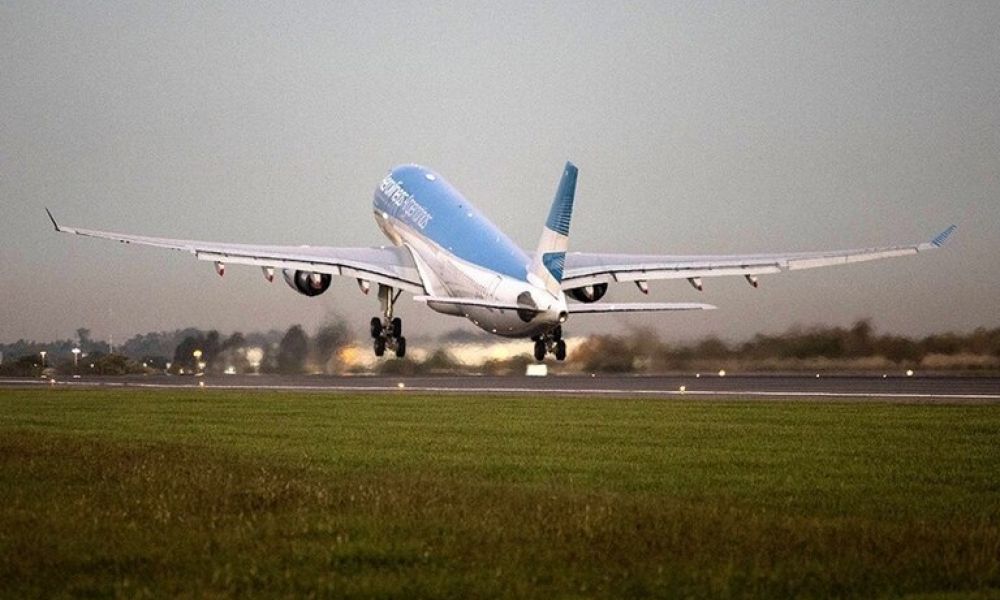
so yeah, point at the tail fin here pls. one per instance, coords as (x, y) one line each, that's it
(550, 257)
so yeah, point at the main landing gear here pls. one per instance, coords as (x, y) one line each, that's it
(387, 332)
(550, 342)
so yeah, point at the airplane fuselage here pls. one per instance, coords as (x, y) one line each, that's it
(462, 254)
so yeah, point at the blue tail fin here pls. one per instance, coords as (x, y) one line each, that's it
(562, 206)
(550, 257)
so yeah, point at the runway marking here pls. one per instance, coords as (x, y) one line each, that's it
(516, 390)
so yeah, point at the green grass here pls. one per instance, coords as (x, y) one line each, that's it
(208, 493)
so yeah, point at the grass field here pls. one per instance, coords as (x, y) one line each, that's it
(206, 493)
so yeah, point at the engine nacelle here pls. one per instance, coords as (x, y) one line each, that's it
(589, 293)
(307, 283)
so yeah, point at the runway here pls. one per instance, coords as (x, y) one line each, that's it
(928, 388)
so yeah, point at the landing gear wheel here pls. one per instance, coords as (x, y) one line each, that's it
(560, 350)
(401, 347)
(539, 350)
(376, 328)
(379, 346)
(396, 328)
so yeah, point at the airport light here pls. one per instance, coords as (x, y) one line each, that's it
(254, 356)
(43, 353)
(76, 357)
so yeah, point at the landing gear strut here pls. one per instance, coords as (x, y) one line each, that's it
(550, 342)
(387, 332)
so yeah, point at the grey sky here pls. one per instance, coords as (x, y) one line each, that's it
(698, 128)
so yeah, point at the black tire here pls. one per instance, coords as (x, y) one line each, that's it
(561, 350)
(376, 328)
(379, 346)
(396, 328)
(539, 350)
(401, 347)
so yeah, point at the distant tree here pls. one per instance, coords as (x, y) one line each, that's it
(184, 353)
(859, 339)
(154, 362)
(292, 350)
(234, 341)
(111, 364)
(210, 346)
(25, 366)
(712, 347)
(898, 349)
(155, 343)
(982, 341)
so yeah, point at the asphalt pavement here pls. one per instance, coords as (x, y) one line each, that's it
(930, 388)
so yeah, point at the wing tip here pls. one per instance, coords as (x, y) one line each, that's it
(53, 219)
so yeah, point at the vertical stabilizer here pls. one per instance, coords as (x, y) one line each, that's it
(550, 257)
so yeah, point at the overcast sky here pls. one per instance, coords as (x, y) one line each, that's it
(697, 128)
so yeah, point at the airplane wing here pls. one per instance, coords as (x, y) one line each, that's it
(585, 269)
(392, 265)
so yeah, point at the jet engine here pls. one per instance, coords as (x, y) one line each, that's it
(589, 293)
(307, 283)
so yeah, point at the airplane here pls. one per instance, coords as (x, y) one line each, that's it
(457, 262)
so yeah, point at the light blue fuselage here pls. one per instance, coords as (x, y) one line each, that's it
(459, 252)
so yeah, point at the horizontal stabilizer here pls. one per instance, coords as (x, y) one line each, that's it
(475, 302)
(636, 307)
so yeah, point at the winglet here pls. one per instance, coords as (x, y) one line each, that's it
(943, 236)
(53, 219)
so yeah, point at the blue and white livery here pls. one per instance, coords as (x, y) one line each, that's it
(452, 258)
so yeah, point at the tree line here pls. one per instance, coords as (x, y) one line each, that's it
(187, 351)
(857, 347)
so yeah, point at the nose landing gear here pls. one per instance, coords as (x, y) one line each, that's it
(550, 342)
(387, 332)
